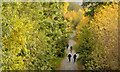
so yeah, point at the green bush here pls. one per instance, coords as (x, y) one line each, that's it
(31, 34)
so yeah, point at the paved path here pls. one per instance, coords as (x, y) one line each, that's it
(65, 65)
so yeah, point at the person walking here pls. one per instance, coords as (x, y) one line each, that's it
(67, 46)
(69, 57)
(74, 57)
(71, 49)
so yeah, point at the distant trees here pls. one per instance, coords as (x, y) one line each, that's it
(74, 6)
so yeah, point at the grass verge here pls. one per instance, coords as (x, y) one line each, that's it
(77, 43)
(58, 61)
(79, 64)
(76, 47)
(71, 33)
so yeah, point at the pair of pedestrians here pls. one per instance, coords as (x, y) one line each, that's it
(74, 57)
(70, 47)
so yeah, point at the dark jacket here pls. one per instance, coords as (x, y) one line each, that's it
(69, 55)
(74, 56)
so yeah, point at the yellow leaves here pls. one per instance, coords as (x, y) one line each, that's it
(21, 24)
(22, 62)
(104, 26)
(15, 16)
(105, 52)
(87, 10)
(28, 21)
(104, 6)
(108, 2)
(65, 7)
(83, 22)
(67, 4)
(19, 57)
(18, 23)
(28, 26)
(75, 17)
(65, 20)
(14, 52)
(25, 49)
(16, 65)
(80, 10)
(34, 22)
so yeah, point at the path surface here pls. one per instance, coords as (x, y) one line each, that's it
(65, 65)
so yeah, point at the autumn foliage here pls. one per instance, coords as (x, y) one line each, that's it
(32, 33)
(97, 39)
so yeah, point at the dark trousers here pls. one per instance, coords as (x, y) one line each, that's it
(67, 47)
(74, 59)
(69, 59)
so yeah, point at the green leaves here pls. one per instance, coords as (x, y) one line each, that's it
(97, 40)
(32, 34)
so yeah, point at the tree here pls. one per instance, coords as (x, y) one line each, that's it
(97, 39)
(30, 32)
